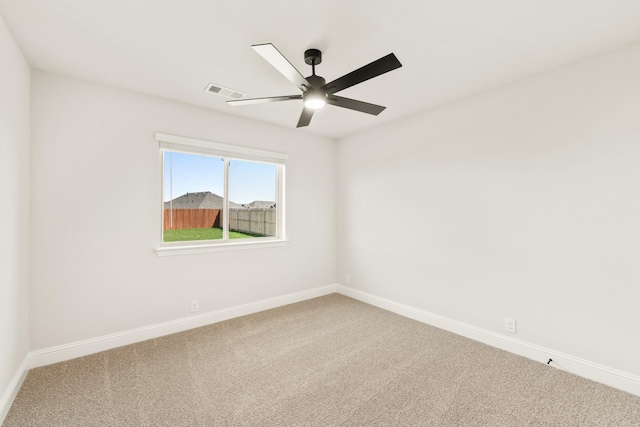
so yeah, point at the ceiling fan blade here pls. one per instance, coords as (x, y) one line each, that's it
(282, 64)
(352, 104)
(305, 117)
(250, 101)
(369, 71)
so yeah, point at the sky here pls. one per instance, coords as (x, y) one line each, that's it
(248, 181)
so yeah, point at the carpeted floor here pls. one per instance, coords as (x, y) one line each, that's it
(330, 361)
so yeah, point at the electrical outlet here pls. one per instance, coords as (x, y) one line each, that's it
(510, 325)
(195, 305)
(347, 280)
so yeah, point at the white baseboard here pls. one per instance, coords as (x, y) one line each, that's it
(72, 350)
(575, 365)
(12, 390)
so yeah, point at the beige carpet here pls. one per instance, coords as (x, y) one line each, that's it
(330, 361)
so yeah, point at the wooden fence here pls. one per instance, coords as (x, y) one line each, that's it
(178, 219)
(253, 221)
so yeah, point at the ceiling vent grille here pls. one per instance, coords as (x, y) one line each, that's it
(224, 91)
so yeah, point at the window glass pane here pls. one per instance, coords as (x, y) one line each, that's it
(193, 197)
(252, 199)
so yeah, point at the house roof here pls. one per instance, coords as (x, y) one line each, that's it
(259, 204)
(209, 200)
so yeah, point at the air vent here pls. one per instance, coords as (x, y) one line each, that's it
(224, 91)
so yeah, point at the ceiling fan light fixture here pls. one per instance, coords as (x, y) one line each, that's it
(315, 100)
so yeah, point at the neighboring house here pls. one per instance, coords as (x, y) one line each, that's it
(202, 200)
(260, 204)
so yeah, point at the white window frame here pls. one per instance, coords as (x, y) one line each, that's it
(227, 152)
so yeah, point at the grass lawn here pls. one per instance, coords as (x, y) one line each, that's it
(202, 234)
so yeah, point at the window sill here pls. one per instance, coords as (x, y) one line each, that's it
(195, 248)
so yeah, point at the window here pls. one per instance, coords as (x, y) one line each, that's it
(219, 197)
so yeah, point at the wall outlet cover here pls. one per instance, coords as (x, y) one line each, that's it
(510, 325)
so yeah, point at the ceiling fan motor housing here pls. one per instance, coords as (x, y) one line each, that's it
(316, 81)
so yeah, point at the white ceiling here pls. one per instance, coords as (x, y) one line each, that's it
(449, 48)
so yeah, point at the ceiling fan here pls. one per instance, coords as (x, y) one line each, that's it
(316, 93)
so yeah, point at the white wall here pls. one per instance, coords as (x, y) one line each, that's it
(521, 202)
(95, 214)
(14, 209)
